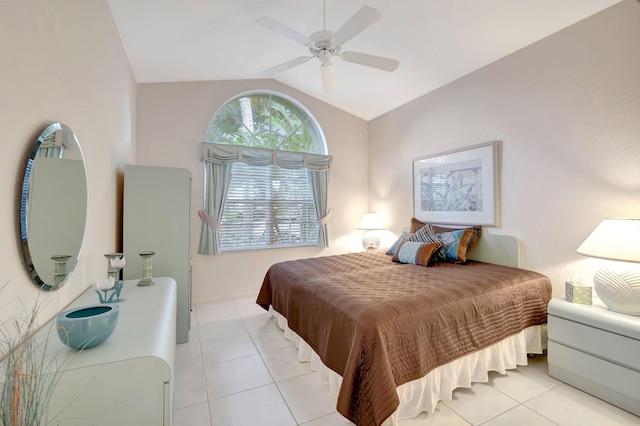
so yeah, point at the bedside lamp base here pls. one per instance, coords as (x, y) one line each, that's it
(619, 290)
(370, 241)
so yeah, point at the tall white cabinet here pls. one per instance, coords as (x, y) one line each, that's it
(157, 217)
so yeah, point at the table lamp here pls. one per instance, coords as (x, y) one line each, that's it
(617, 285)
(370, 222)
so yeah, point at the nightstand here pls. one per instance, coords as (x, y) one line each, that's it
(596, 350)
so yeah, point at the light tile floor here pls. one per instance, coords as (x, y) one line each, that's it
(238, 370)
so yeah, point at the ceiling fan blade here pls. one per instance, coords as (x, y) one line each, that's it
(379, 62)
(359, 22)
(285, 66)
(282, 29)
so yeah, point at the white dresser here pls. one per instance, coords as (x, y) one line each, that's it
(596, 350)
(128, 379)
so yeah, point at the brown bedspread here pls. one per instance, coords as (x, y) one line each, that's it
(381, 324)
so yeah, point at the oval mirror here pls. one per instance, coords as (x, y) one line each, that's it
(53, 207)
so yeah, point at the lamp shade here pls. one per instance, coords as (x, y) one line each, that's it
(370, 221)
(614, 239)
(617, 285)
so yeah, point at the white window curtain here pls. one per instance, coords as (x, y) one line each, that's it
(218, 159)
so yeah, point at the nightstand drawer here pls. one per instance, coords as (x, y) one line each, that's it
(601, 378)
(613, 347)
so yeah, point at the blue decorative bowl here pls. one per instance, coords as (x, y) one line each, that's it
(87, 326)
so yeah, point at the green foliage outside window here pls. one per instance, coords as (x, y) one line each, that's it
(264, 121)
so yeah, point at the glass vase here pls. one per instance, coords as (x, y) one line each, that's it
(147, 269)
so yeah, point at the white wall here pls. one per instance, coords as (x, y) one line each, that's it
(172, 120)
(568, 112)
(62, 61)
(566, 109)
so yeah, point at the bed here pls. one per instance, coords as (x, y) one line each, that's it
(392, 339)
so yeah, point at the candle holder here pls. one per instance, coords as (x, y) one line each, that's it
(115, 262)
(60, 269)
(147, 267)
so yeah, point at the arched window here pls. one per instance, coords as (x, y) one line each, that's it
(269, 196)
(266, 120)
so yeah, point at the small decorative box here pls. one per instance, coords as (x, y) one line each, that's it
(577, 293)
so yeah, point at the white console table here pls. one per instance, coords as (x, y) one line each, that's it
(128, 379)
(596, 350)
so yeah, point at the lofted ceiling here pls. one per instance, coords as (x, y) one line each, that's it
(436, 41)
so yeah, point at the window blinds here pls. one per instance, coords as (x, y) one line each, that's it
(268, 207)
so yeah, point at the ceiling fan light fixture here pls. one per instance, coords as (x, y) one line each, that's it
(328, 77)
(325, 45)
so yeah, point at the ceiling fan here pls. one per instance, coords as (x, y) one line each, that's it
(326, 44)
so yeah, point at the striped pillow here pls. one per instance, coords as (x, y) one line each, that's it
(425, 235)
(414, 253)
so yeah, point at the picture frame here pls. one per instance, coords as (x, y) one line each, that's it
(459, 187)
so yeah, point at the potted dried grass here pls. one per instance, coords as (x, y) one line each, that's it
(27, 377)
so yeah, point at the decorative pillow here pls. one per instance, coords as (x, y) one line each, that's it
(415, 253)
(457, 245)
(404, 236)
(425, 235)
(416, 225)
(477, 233)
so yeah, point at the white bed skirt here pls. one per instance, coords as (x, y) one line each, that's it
(423, 394)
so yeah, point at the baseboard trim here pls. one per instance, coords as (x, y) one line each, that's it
(224, 298)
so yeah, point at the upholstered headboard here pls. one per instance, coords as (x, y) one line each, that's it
(498, 249)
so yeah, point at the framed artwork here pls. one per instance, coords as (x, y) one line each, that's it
(460, 187)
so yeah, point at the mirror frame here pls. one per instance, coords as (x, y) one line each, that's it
(64, 265)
